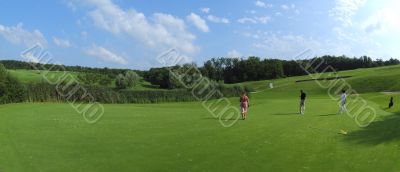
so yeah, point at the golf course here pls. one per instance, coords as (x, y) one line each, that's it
(184, 136)
(199, 86)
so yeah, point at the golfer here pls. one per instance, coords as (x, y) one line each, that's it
(391, 102)
(244, 104)
(343, 97)
(302, 102)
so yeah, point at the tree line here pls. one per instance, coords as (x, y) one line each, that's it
(13, 91)
(222, 70)
(234, 70)
(218, 72)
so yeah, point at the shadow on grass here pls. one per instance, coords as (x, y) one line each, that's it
(332, 114)
(285, 114)
(385, 130)
(224, 119)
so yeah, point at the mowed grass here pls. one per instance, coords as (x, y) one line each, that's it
(186, 137)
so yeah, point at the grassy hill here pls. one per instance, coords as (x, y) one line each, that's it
(371, 80)
(28, 76)
(186, 137)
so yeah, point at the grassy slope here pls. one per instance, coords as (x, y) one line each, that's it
(27, 76)
(185, 137)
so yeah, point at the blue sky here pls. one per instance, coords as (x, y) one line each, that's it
(131, 34)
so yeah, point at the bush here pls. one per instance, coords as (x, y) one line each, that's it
(120, 82)
(11, 90)
(15, 90)
(93, 79)
(129, 80)
(3, 73)
(3, 93)
(43, 92)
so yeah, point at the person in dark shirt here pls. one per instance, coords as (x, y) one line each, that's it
(302, 102)
(391, 102)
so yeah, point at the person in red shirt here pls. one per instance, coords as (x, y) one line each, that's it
(244, 104)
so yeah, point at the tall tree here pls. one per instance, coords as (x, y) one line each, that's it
(131, 79)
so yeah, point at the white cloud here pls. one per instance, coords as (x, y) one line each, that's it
(234, 54)
(264, 20)
(247, 20)
(263, 4)
(255, 20)
(373, 27)
(344, 10)
(216, 19)
(19, 36)
(205, 10)
(384, 20)
(198, 22)
(374, 32)
(31, 57)
(278, 45)
(105, 54)
(260, 4)
(288, 7)
(252, 35)
(159, 32)
(61, 42)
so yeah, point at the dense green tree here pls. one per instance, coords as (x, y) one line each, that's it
(88, 78)
(131, 79)
(158, 76)
(3, 88)
(105, 80)
(94, 79)
(3, 91)
(15, 90)
(11, 90)
(120, 82)
(3, 73)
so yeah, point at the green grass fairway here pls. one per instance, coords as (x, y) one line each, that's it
(185, 137)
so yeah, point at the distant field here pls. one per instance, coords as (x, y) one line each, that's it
(186, 137)
(28, 76)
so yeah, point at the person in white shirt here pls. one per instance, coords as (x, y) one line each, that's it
(343, 97)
